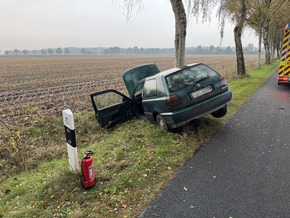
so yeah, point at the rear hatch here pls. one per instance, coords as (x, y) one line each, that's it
(132, 76)
(194, 83)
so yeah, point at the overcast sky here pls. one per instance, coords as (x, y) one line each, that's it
(37, 24)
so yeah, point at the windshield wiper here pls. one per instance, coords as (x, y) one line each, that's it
(200, 80)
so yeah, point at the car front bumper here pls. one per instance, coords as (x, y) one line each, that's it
(185, 115)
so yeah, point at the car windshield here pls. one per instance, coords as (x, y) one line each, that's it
(189, 76)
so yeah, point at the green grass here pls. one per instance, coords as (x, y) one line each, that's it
(133, 162)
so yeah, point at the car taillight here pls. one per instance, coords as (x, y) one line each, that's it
(282, 78)
(173, 100)
(223, 83)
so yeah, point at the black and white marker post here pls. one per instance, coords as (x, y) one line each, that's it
(69, 127)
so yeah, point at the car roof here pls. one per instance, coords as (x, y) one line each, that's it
(170, 71)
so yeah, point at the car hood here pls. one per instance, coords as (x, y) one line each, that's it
(132, 76)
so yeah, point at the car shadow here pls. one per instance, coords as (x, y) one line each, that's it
(285, 86)
(202, 125)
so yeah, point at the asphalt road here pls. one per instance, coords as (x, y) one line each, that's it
(243, 172)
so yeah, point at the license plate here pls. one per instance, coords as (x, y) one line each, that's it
(200, 92)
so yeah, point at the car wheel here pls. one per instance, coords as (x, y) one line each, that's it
(220, 113)
(160, 122)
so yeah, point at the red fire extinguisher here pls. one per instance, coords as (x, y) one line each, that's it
(87, 165)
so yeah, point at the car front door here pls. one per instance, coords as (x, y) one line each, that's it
(112, 107)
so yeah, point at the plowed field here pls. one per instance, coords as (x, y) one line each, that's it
(44, 85)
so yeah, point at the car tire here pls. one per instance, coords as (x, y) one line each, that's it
(220, 113)
(160, 122)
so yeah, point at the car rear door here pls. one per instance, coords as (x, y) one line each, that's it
(194, 84)
(112, 107)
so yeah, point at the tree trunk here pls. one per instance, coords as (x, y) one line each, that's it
(238, 41)
(258, 64)
(266, 40)
(278, 48)
(180, 32)
(239, 52)
(266, 46)
(241, 69)
(273, 47)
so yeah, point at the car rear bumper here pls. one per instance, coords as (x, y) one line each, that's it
(185, 115)
(283, 79)
(283, 82)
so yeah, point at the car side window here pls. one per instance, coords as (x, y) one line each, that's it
(150, 88)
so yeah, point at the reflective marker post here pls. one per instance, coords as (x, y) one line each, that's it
(69, 127)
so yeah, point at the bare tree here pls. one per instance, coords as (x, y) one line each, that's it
(256, 20)
(241, 68)
(50, 51)
(25, 52)
(236, 10)
(34, 51)
(83, 51)
(43, 51)
(67, 51)
(180, 25)
(267, 17)
(277, 17)
(16, 51)
(59, 51)
(279, 20)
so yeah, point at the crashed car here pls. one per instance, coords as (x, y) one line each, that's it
(170, 98)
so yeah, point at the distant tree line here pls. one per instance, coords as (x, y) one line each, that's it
(49, 51)
(250, 49)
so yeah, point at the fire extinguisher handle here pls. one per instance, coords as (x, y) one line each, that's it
(88, 154)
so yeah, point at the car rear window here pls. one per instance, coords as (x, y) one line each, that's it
(189, 76)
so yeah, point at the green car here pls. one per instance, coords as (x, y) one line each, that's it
(169, 98)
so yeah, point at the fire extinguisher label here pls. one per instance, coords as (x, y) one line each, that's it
(91, 172)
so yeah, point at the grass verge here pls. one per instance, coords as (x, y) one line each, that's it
(133, 162)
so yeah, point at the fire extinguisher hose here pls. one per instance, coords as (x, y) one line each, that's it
(83, 175)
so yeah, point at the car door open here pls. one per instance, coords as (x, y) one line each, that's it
(112, 107)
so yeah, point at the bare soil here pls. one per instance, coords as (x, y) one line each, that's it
(43, 85)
